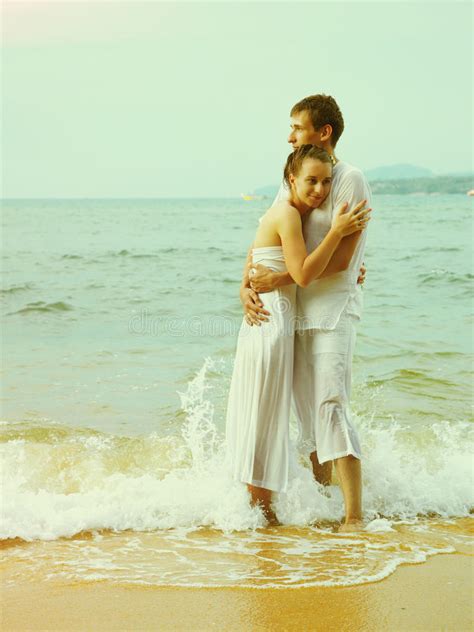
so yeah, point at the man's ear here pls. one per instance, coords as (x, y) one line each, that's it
(325, 131)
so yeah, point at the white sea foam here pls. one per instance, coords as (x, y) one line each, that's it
(195, 524)
(61, 487)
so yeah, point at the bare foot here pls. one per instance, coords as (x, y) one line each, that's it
(272, 520)
(325, 525)
(351, 526)
(262, 497)
(322, 473)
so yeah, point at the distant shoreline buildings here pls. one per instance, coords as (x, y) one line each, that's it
(434, 185)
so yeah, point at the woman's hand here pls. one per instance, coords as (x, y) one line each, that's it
(254, 313)
(262, 279)
(353, 221)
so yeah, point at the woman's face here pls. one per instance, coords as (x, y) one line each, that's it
(312, 184)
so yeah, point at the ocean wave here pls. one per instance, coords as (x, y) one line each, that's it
(441, 249)
(417, 381)
(13, 289)
(160, 251)
(41, 306)
(439, 274)
(284, 557)
(59, 481)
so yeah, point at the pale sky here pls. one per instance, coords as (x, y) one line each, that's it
(175, 99)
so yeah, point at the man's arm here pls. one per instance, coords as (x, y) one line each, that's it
(266, 280)
(253, 307)
(245, 275)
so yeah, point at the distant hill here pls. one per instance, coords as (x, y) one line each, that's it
(403, 179)
(269, 191)
(434, 184)
(397, 172)
(382, 180)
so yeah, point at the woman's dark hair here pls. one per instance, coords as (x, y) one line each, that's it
(296, 158)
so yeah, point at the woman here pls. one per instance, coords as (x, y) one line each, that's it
(260, 392)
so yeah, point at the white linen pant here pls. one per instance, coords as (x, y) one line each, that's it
(322, 388)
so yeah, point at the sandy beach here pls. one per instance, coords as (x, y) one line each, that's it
(436, 595)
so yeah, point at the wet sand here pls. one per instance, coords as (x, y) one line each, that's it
(435, 595)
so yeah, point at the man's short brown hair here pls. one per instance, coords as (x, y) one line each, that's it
(323, 110)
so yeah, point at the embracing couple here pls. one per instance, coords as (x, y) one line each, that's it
(301, 293)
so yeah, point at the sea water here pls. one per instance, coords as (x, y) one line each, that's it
(120, 320)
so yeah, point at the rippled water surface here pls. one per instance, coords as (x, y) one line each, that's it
(119, 327)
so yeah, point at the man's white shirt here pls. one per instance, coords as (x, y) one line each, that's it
(321, 303)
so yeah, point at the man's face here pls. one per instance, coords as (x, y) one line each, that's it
(302, 131)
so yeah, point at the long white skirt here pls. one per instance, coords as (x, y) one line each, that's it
(258, 409)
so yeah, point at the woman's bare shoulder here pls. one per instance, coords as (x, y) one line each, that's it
(282, 209)
(282, 205)
(277, 211)
(286, 214)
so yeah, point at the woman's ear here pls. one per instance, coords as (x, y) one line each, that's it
(291, 179)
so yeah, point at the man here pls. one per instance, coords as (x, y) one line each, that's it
(327, 310)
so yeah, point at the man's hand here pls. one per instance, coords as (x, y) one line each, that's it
(262, 279)
(254, 313)
(361, 277)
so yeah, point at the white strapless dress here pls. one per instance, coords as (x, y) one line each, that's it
(258, 409)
